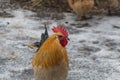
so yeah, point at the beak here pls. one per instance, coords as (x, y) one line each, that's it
(68, 39)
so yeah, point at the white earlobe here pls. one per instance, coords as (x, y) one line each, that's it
(57, 38)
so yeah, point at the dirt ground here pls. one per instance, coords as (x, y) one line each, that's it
(93, 50)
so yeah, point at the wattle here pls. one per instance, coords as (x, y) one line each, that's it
(63, 42)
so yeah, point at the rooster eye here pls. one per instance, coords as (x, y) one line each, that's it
(60, 36)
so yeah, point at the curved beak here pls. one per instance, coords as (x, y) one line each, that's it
(68, 39)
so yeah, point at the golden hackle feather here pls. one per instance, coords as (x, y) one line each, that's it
(50, 54)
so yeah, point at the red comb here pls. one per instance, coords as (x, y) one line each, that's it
(60, 29)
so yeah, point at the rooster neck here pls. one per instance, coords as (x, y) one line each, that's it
(51, 53)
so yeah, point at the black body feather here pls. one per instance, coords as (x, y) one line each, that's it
(44, 36)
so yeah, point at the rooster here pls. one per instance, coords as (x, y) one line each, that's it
(81, 7)
(50, 61)
(107, 4)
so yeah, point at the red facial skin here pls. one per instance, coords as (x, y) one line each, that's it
(63, 41)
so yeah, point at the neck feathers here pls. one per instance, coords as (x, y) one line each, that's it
(51, 53)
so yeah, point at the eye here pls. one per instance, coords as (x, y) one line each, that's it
(60, 36)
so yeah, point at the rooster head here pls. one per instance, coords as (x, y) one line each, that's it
(62, 34)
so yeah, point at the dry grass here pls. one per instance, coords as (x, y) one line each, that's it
(46, 5)
(43, 5)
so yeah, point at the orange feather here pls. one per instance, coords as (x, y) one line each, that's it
(50, 62)
(49, 56)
